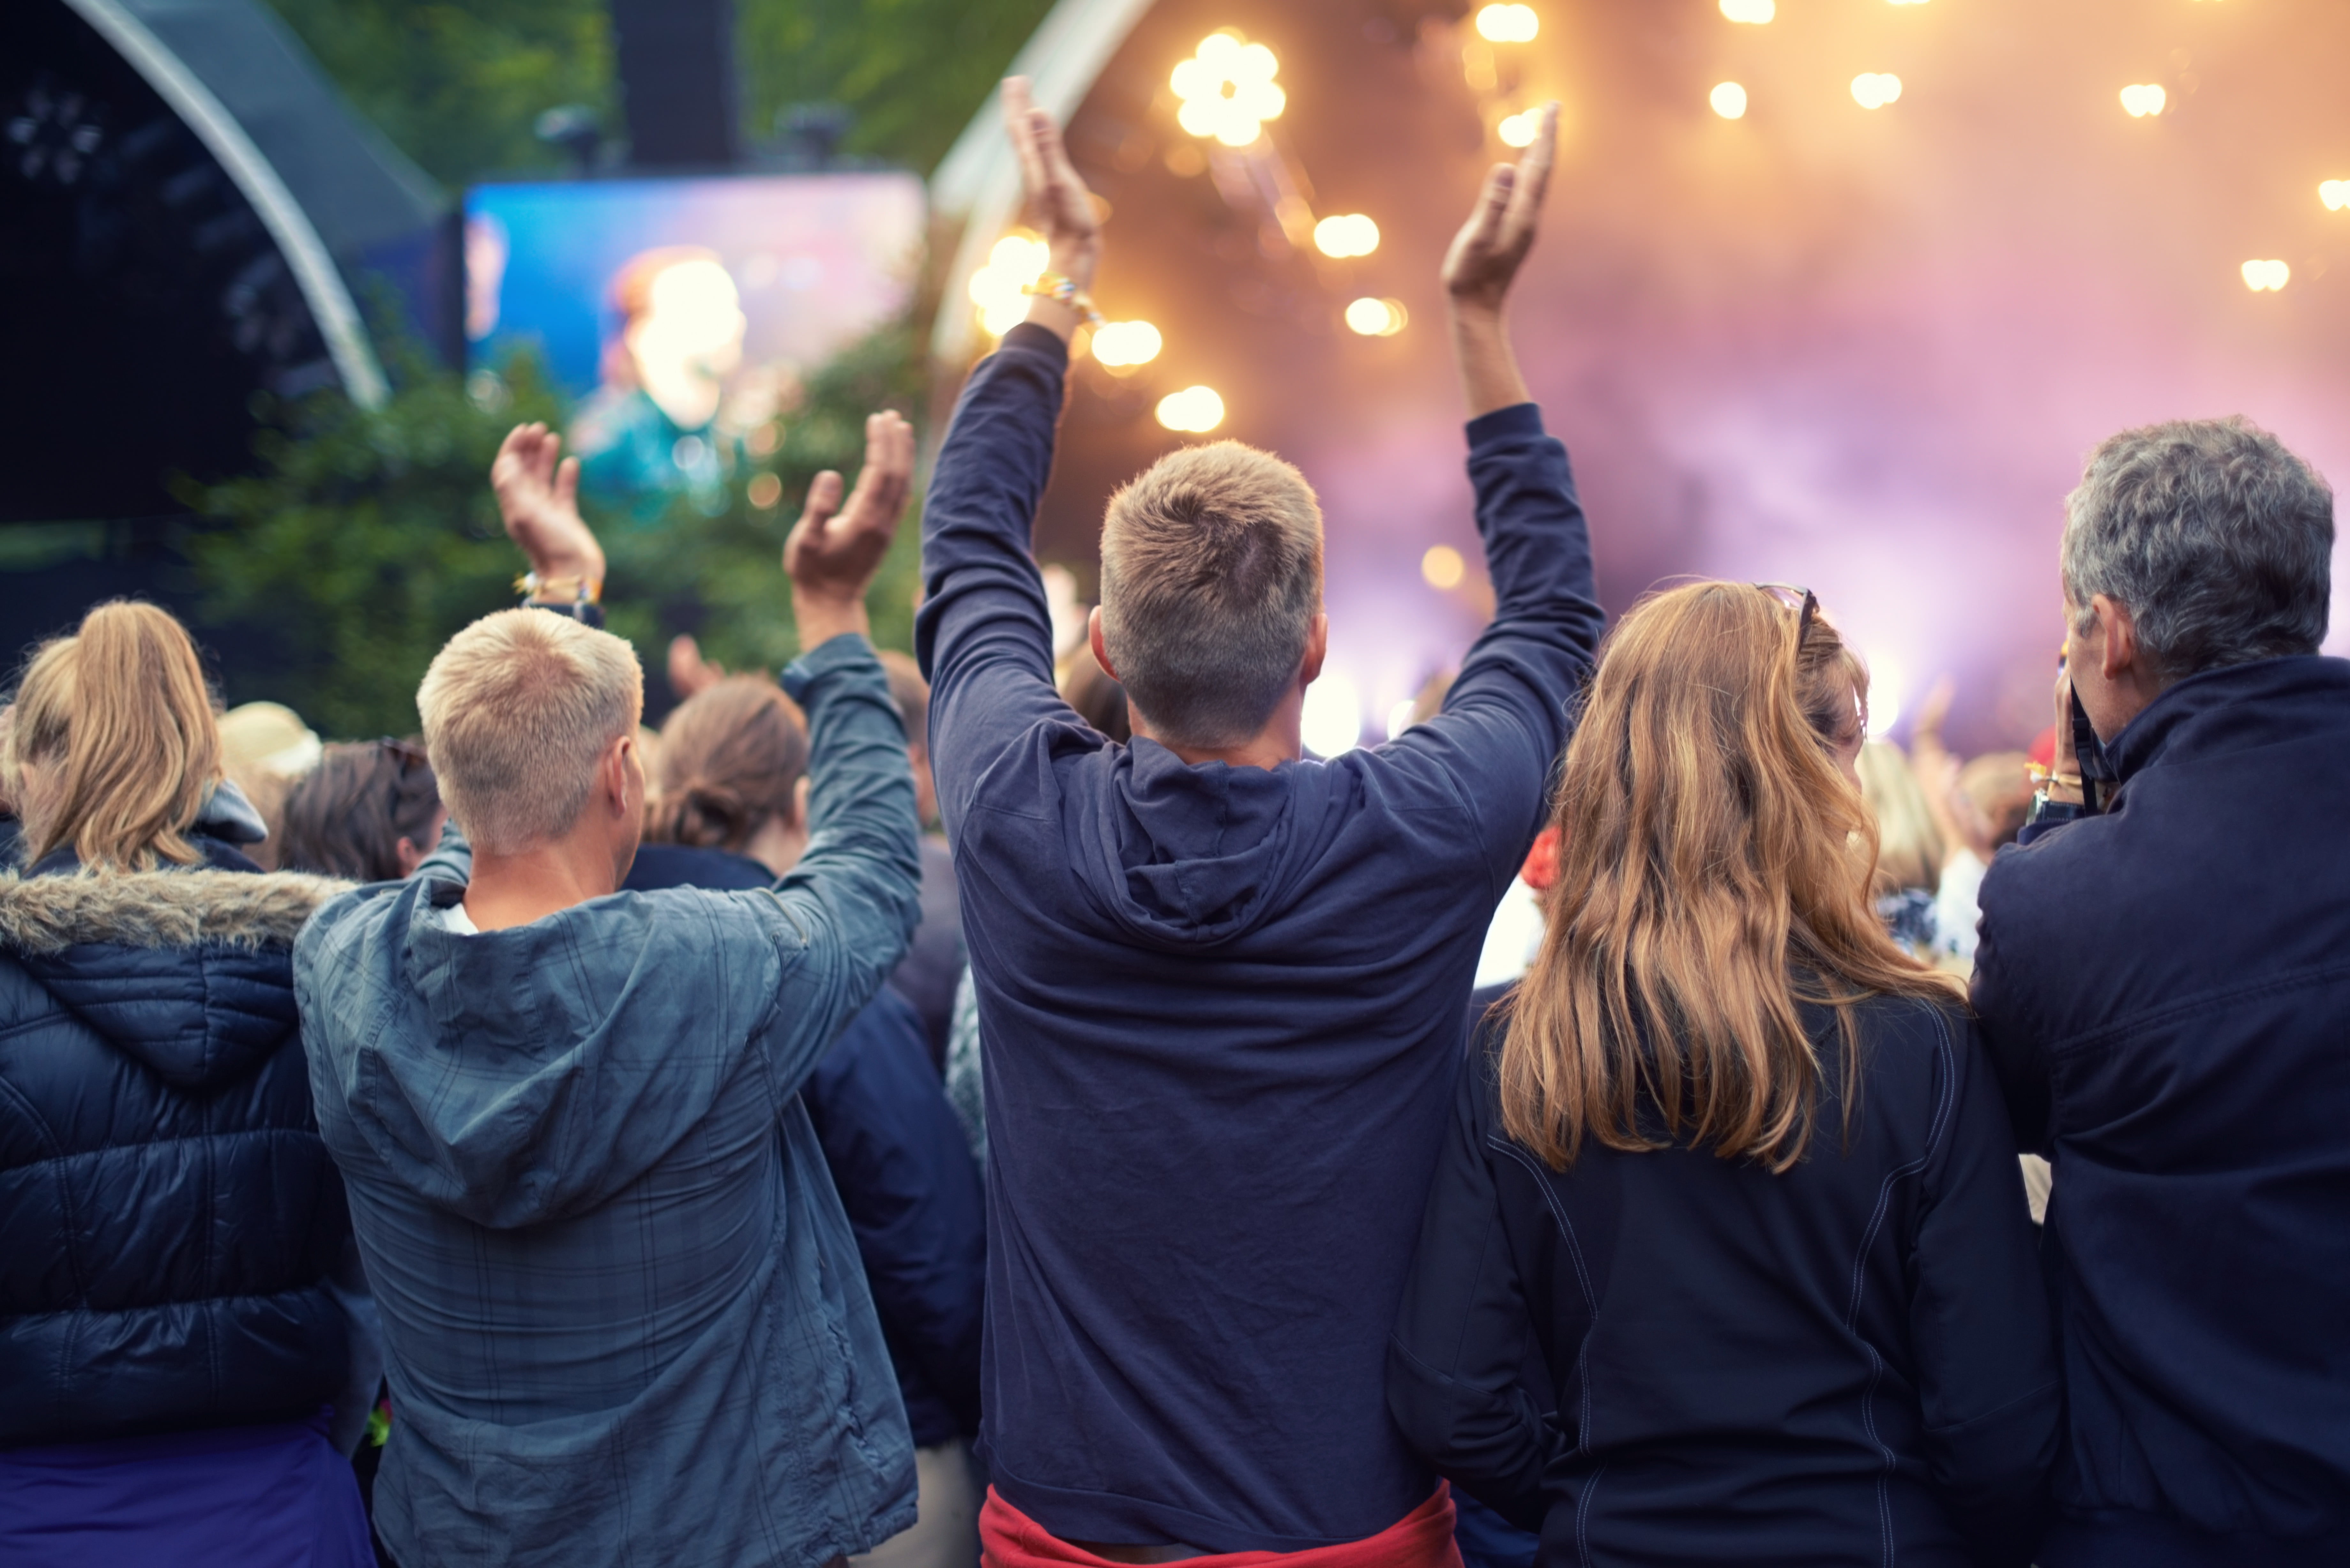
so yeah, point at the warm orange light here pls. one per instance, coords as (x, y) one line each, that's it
(1443, 567)
(1728, 101)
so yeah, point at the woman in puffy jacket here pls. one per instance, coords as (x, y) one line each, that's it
(172, 1236)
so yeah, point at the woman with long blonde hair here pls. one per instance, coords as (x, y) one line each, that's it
(181, 1376)
(1729, 1163)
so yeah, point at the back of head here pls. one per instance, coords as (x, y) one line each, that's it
(1909, 848)
(1999, 785)
(911, 692)
(2217, 540)
(345, 817)
(1708, 881)
(518, 707)
(730, 756)
(119, 722)
(1212, 575)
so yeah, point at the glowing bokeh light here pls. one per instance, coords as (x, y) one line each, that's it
(1443, 567)
(1121, 346)
(1331, 723)
(1885, 694)
(1728, 101)
(1196, 410)
(1519, 130)
(764, 490)
(1753, 11)
(2144, 98)
(2334, 194)
(1346, 235)
(1508, 24)
(1376, 318)
(2266, 276)
(1875, 89)
(1228, 90)
(1016, 261)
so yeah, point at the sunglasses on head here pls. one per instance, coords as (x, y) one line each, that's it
(1799, 599)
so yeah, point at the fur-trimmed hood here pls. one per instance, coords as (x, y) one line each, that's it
(189, 972)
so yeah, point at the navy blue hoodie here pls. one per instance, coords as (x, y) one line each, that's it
(2166, 994)
(1223, 1013)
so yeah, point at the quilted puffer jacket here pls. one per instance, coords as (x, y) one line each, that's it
(169, 1219)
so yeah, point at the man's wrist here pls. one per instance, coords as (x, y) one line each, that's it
(820, 617)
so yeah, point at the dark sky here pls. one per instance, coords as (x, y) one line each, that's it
(1861, 350)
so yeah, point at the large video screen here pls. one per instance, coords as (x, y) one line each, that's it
(682, 313)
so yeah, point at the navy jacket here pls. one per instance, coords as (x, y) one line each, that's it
(1849, 1363)
(904, 1174)
(2166, 991)
(1222, 1012)
(169, 1221)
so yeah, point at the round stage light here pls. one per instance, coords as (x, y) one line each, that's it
(2144, 98)
(1728, 101)
(1443, 567)
(2266, 276)
(1875, 89)
(1508, 24)
(1195, 410)
(1376, 318)
(1124, 346)
(2334, 194)
(1519, 130)
(1016, 261)
(1331, 723)
(1228, 90)
(1753, 12)
(1348, 234)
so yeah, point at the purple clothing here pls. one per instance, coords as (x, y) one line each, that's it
(275, 1495)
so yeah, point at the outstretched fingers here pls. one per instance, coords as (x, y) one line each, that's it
(1531, 182)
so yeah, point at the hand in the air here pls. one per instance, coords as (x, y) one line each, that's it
(1058, 201)
(539, 498)
(689, 674)
(1486, 253)
(835, 549)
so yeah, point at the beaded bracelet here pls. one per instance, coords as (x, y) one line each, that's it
(584, 590)
(1053, 285)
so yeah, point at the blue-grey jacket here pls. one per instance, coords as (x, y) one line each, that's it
(623, 1312)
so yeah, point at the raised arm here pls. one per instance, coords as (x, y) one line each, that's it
(985, 636)
(1505, 720)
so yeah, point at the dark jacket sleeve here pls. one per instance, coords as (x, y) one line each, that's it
(1506, 719)
(2001, 998)
(913, 1196)
(1463, 1330)
(1979, 1326)
(985, 636)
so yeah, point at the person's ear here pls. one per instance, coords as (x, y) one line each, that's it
(2117, 634)
(1317, 648)
(1101, 648)
(623, 784)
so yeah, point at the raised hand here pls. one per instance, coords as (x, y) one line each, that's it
(1057, 199)
(1486, 254)
(835, 549)
(689, 674)
(539, 498)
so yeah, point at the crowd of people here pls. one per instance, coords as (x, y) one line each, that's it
(1021, 1109)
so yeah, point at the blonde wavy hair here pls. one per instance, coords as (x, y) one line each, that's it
(1714, 874)
(119, 720)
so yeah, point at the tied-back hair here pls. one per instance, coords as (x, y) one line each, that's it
(730, 756)
(120, 714)
(345, 817)
(1714, 873)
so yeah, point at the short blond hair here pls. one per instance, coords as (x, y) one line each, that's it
(1212, 575)
(517, 708)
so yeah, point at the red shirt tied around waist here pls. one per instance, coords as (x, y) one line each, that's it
(1420, 1539)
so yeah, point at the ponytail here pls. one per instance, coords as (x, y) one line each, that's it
(729, 758)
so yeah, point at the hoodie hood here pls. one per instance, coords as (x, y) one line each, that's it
(184, 970)
(515, 1077)
(1181, 857)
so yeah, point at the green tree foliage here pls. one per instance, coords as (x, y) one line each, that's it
(367, 538)
(459, 86)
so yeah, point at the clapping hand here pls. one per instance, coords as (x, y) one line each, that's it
(539, 498)
(835, 549)
(1487, 251)
(1058, 201)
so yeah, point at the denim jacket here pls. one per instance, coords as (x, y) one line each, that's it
(623, 1311)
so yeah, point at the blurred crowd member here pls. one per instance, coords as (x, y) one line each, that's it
(625, 1318)
(1096, 694)
(1732, 1159)
(727, 813)
(1909, 850)
(369, 811)
(172, 1231)
(1221, 989)
(926, 977)
(264, 748)
(2161, 983)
